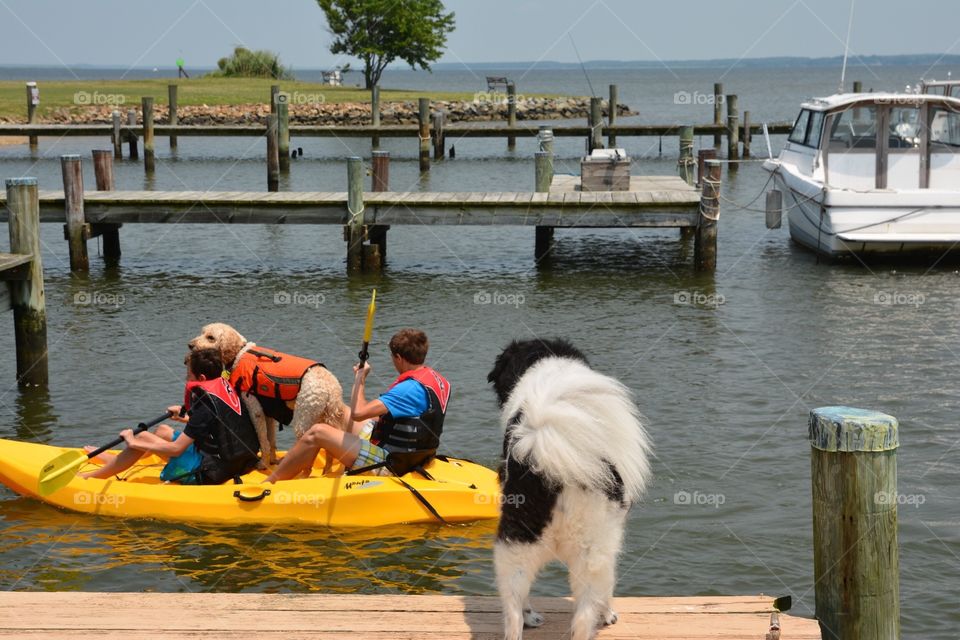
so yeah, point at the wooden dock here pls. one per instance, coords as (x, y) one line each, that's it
(121, 616)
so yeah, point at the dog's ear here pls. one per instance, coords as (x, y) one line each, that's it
(230, 342)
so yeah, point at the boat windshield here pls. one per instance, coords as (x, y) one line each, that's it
(854, 128)
(944, 128)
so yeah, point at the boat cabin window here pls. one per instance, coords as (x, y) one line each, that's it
(813, 131)
(944, 163)
(944, 129)
(854, 129)
(799, 133)
(903, 131)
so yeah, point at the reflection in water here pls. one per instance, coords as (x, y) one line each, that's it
(46, 548)
(35, 417)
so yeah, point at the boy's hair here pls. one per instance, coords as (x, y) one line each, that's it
(410, 344)
(205, 362)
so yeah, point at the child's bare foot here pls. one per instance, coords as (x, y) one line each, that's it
(103, 457)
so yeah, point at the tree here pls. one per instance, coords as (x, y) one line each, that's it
(381, 31)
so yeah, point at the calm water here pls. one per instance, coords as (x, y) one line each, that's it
(726, 387)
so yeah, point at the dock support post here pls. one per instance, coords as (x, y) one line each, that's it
(360, 257)
(543, 177)
(32, 99)
(705, 242)
(733, 131)
(855, 554)
(173, 119)
(439, 137)
(103, 173)
(747, 135)
(148, 161)
(511, 114)
(26, 295)
(424, 119)
(76, 227)
(702, 156)
(717, 111)
(375, 114)
(274, 97)
(134, 153)
(545, 138)
(283, 130)
(596, 124)
(117, 136)
(273, 158)
(380, 171)
(612, 115)
(685, 166)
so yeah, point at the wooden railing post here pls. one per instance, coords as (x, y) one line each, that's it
(148, 160)
(173, 118)
(705, 242)
(76, 227)
(855, 554)
(26, 294)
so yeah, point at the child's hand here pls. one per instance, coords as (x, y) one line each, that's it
(175, 410)
(127, 435)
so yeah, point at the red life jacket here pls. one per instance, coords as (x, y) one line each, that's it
(218, 387)
(270, 374)
(431, 380)
(415, 434)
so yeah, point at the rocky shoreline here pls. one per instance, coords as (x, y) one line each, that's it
(320, 113)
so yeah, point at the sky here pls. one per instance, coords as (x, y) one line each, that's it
(133, 33)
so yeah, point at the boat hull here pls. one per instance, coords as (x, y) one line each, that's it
(461, 492)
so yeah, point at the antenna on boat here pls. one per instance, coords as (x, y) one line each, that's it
(846, 47)
(589, 84)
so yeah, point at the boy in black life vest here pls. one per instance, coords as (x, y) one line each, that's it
(404, 423)
(218, 442)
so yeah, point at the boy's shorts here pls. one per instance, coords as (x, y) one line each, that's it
(370, 453)
(184, 467)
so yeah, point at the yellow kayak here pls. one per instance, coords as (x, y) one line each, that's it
(460, 491)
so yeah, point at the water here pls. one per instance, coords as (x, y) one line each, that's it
(726, 388)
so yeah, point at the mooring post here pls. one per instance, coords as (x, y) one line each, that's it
(134, 153)
(612, 115)
(511, 114)
(148, 162)
(855, 555)
(273, 158)
(355, 215)
(733, 132)
(26, 294)
(545, 138)
(596, 124)
(424, 119)
(76, 227)
(172, 117)
(283, 130)
(543, 178)
(117, 139)
(747, 135)
(685, 167)
(110, 232)
(717, 111)
(702, 156)
(380, 174)
(33, 99)
(274, 95)
(439, 137)
(375, 114)
(857, 86)
(705, 241)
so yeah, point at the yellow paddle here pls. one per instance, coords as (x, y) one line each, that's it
(364, 354)
(56, 474)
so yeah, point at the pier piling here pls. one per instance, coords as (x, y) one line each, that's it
(702, 156)
(733, 131)
(511, 114)
(596, 125)
(423, 116)
(380, 171)
(747, 135)
(273, 157)
(360, 257)
(133, 153)
(26, 290)
(705, 241)
(543, 177)
(375, 114)
(612, 115)
(33, 99)
(117, 136)
(855, 553)
(148, 159)
(283, 130)
(717, 112)
(172, 118)
(110, 232)
(439, 138)
(76, 227)
(685, 167)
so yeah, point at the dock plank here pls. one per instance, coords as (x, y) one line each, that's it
(212, 615)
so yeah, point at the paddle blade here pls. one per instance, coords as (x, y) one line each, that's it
(58, 473)
(371, 310)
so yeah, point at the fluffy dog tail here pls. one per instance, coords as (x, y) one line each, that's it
(578, 427)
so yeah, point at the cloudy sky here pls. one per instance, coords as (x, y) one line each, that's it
(132, 33)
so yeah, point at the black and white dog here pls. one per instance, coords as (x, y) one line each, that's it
(575, 458)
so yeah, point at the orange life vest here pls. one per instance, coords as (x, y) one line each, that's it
(270, 374)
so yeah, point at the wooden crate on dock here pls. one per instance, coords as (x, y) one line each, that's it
(605, 170)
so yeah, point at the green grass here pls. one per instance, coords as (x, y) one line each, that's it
(209, 91)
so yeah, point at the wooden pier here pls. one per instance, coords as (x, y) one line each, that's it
(120, 616)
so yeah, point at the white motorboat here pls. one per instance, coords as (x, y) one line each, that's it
(873, 173)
